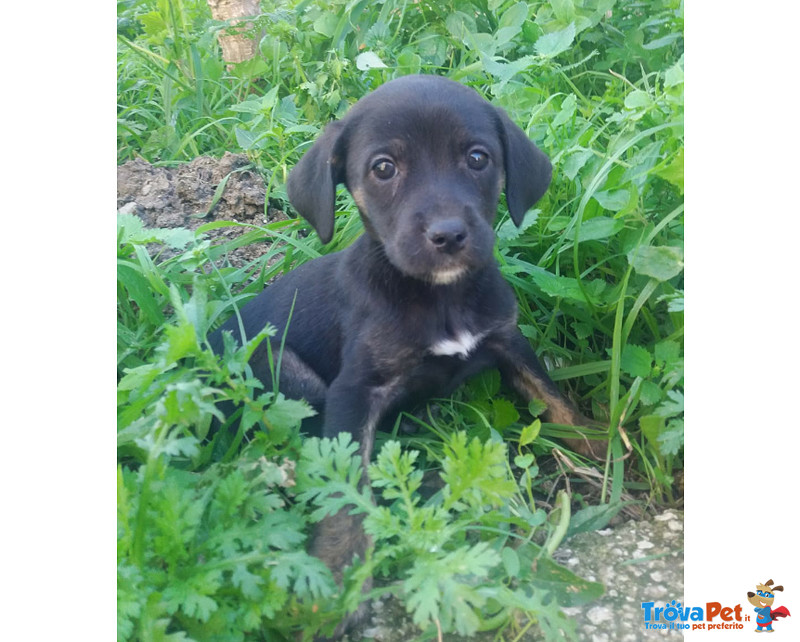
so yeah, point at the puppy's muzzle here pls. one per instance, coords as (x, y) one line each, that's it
(448, 236)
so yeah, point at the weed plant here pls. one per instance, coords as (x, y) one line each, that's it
(212, 526)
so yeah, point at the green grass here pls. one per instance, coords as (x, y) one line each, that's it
(211, 532)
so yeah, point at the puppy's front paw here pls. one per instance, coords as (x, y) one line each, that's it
(337, 540)
(589, 448)
(352, 621)
(581, 444)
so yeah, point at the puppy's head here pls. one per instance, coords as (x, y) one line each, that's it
(425, 159)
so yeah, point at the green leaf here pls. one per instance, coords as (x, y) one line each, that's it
(328, 474)
(193, 595)
(674, 171)
(674, 75)
(575, 161)
(514, 16)
(281, 530)
(568, 588)
(651, 427)
(326, 24)
(593, 518)
(130, 229)
(524, 461)
(308, 576)
(162, 142)
(154, 26)
(638, 99)
(176, 238)
(409, 62)
(181, 341)
(600, 227)
(287, 413)
(665, 437)
(248, 583)
(511, 23)
(672, 406)
(536, 407)
(567, 111)
(664, 41)
(139, 290)
(251, 414)
(636, 361)
(460, 25)
(667, 352)
(369, 60)
(485, 385)
(510, 561)
(671, 439)
(231, 493)
(475, 473)
(557, 286)
(199, 606)
(505, 71)
(503, 413)
(247, 140)
(613, 200)
(508, 231)
(650, 393)
(661, 263)
(423, 595)
(552, 44)
(530, 433)
(564, 10)
(255, 106)
(436, 592)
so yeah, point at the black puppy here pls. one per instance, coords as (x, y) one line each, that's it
(417, 304)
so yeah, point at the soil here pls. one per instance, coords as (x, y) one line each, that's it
(181, 196)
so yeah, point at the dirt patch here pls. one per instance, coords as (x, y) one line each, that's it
(181, 196)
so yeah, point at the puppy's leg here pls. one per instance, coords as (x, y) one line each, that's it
(336, 540)
(296, 379)
(520, 367)
(347, 409)
(355, 406)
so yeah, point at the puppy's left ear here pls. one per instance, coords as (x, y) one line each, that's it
(311, 185)
(528, 170)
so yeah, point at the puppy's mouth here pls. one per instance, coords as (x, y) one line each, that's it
(433, 269)
(448, 275)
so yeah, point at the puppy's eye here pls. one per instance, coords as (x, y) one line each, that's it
(477, 159)
(384, 169)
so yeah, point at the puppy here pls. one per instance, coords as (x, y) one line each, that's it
(417, 304)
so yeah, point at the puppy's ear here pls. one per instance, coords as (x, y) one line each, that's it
(311, 185)
(528, 170)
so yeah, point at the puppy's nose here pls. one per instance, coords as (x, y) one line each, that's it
(448, 235)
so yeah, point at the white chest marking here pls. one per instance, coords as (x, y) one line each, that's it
(462, 345)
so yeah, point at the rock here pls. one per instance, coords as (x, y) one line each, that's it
(640, 561)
